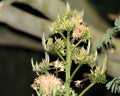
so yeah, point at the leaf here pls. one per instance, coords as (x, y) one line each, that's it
(118, 89)
(112, 88)
(107, 38)
(114, 85)
(117, 23)
(109, 84)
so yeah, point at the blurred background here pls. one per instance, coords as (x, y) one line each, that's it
(22, 23)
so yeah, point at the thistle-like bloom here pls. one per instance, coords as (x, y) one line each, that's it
(96, 76)
(63, 23)
(45, 84)
(80, 30)
(43, 66)
(82, 57)
(60, 45)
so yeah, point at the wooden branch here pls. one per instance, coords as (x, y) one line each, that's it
(24, 21)
(49, 8)
(10, 38)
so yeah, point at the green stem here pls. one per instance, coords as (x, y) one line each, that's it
(68, 64)
(77, 44)
(75, 71)
(86, 89)
(61, 57)
(63, 36)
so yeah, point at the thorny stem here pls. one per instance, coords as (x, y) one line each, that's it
(86, 89)
(68, 64)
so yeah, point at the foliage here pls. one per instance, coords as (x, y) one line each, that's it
(114, 85)
(108, 36)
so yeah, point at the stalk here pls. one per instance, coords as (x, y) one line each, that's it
(77, 44)
(68, 64)
(75, 71)
(86, 89)
(59, 54)
(63, 36)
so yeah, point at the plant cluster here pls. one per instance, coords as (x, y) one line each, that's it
(72, 47)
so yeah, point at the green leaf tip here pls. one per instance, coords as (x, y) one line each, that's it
(68, 6)
(117, 23)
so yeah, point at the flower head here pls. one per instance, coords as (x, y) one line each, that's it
(96, 76)
(46, 83)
